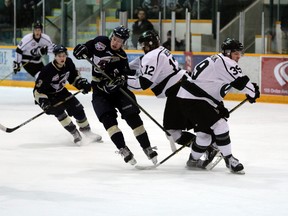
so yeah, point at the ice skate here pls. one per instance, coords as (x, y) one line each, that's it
(234, 165)
(210, 154)
(90, 135)
(128, 155)
(77, 138)
(192, 163)
(151, 154)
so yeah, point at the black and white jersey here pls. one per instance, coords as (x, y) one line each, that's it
(28, 47)
(52, 79)
(213, 75)
(111, 61)
(159, 71)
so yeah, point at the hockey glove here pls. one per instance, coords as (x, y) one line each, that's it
(16, 67)
(222, 111)
(114, 85)
(240, 83)
(257, 94)
(83, 84)
(43, 50)
(79, 51)
(45, 104)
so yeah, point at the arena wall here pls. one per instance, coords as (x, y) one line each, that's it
(269, 71)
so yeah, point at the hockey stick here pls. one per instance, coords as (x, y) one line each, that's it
(14, 72)
(182, 147)
(9, 130)
(172, 144)
(237, 106)
(4, 78)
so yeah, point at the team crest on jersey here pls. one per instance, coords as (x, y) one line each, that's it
(55, 78)
(100, 46)
(167, 52)
(115, 59)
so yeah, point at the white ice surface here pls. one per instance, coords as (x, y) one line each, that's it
(42, 173)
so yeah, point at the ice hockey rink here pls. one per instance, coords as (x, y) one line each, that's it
(43, 173)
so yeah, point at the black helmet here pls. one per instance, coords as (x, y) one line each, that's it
(121, 32)
(38, 24)
(231, 45)
(149, 40)
(59, 49)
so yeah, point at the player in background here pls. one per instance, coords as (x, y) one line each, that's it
(160, 72)
(50, 89)
(202, 100)
(30, 50)
(111, 59)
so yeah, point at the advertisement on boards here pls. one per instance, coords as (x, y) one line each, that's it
(192, 60)
(6, 63)
(274, 77)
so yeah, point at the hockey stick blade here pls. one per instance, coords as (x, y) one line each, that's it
(147, 167)
(161, 162)
(10, 130)
(3, 128)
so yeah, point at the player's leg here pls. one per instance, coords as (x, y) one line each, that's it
(107, 115)
(200, 114)
(222, 138)
(63, 118)
(130, 113)
(75, 108)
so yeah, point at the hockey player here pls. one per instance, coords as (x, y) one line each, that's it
(160, 72)
(108, 54)
(30, 50)
(202, 100)
(50, 89)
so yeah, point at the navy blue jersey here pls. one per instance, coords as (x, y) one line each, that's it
(52, 79)
(113, 63)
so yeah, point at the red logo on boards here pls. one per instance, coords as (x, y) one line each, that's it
(274, 76)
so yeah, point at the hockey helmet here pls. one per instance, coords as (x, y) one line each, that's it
(59, 49)
(149, 40)
(121, 32)
(231, 45)
(38, 24)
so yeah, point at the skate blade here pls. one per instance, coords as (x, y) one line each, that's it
(194, 168)
(215, 161)
(242, 172)
(79, 143)
(154, 160)
(132, 162)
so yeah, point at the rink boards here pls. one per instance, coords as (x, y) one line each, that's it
(269, 71)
